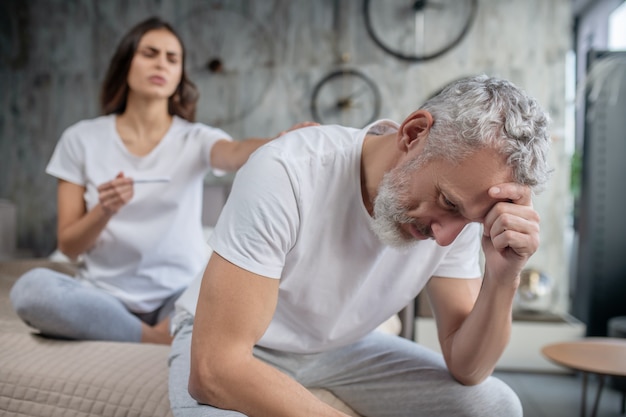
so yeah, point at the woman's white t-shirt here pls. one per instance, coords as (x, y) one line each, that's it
(296, 213)
(154, 246)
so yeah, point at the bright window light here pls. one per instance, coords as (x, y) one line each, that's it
(617, 28)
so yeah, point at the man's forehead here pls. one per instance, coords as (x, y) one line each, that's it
(473, 207)
(470, 192)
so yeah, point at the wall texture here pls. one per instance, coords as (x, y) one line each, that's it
(53, 55)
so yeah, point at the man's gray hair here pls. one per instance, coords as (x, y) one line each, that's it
(485, 112)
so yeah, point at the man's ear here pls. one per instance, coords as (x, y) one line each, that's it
(414, 129)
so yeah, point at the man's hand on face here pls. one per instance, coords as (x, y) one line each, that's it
(511, 231)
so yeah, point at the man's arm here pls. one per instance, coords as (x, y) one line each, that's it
(234, 309)
(474, 318)
(472, 335)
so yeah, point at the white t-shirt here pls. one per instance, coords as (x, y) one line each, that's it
(154, 246)
(296, 214)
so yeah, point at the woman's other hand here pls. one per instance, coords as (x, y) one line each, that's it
(114, 195)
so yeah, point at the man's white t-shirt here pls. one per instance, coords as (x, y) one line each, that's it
(296, 214)
(154, 246)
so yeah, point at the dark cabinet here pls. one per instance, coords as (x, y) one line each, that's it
(599, 285)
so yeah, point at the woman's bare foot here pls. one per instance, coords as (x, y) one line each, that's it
(159, 333)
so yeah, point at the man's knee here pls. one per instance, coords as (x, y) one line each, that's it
(490, 398)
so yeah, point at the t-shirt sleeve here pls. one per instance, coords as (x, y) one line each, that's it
(210, 136)
(259, 223)
(68, 159)
(463, 259)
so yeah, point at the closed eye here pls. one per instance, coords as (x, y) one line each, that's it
(447, 204)
(149, 52)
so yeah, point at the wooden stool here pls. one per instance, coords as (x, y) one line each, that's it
(597, 355)
(617, 328)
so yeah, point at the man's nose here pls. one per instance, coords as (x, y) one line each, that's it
(447, 229)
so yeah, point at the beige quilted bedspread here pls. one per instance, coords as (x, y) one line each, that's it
(41, 377)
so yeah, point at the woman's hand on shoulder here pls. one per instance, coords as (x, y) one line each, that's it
(298, 126)
(231, 155)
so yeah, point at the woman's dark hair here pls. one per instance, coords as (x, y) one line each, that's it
(115, 87)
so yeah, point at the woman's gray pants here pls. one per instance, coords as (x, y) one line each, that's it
(61, 306)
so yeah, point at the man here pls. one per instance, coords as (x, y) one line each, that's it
(330, 230)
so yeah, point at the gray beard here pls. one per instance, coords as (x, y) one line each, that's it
(389, 213)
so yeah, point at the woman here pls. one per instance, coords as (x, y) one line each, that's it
(130, 199)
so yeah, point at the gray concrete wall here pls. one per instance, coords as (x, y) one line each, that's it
(54, 54)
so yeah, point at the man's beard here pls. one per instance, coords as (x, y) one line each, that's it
(390, 213)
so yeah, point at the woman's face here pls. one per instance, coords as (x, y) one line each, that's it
(156, 68)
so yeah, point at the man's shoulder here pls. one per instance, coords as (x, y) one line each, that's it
(315, 141)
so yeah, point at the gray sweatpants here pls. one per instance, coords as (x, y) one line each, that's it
(64, 307)
(380, 376)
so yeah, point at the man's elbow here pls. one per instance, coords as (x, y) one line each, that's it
(470, 378)
(204, 385)
(469, 381)
(214, 380)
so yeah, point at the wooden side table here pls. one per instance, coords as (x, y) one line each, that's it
(597, 355)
